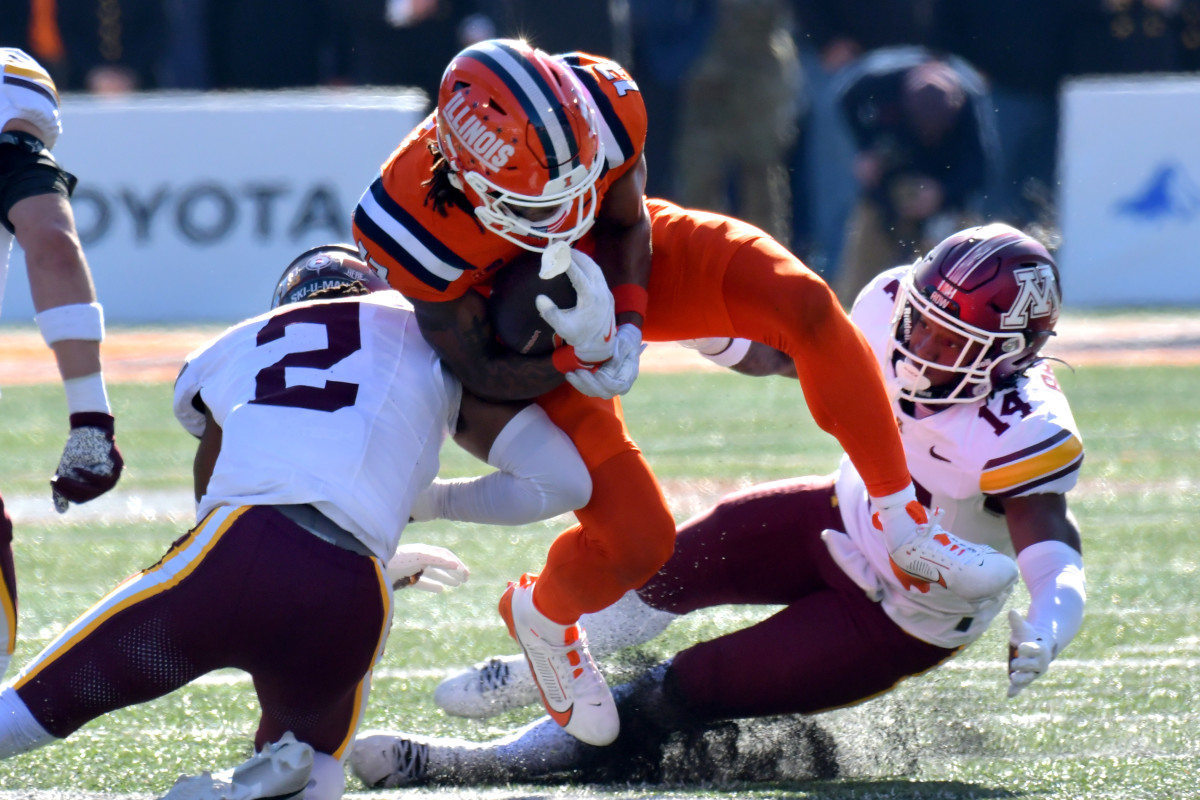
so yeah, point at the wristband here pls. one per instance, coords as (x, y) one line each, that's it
(630, 297)
(87, 394)
(77, 321)
(565, 360)
(732, 355)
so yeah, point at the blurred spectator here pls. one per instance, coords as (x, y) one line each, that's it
(32, 26)
(111, 46)
(1189, 34)
(926, 147)
(599, 27)
(844, 31)
(275, 44)
(186, 64)
(741, 108)
(409, 42)
(668, 36)
(1018, 47)
(830, 36)
(1124, 36)
(15, 24)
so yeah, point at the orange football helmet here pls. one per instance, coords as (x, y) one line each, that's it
(522, 141)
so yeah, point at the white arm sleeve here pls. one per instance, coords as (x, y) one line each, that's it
(187, 386)
(1053, 572)
(541, 475)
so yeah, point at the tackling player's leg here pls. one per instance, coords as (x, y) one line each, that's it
(753, 532)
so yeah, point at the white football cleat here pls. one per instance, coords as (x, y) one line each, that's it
(488, 688)
(394, 759)
(504, 683)
(573, 691)
(280, 772)
(387, 760)
(934, 555)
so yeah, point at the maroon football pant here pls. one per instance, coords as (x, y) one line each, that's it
(830, 646)
(8, 582)
(247, 588)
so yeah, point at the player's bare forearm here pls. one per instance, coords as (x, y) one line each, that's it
(461, 334)
(761, 360)
(1040, 518)
(206, 455)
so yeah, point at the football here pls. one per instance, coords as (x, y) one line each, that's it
(512, 310)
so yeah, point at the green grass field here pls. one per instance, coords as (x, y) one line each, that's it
(1116, 717)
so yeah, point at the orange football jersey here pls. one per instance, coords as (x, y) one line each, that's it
(433, 257)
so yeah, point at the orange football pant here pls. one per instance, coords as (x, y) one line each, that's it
(711, 276)
(626, 531)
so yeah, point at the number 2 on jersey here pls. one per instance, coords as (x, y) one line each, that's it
(340, 321)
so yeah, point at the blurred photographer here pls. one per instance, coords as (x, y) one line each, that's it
(926, 145)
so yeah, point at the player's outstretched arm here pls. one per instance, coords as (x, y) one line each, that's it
(539, 473)
(70, 319)
(1049, 554)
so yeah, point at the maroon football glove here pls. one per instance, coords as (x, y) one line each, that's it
(91, 462)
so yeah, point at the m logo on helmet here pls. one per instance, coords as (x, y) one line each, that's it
(1037, 296)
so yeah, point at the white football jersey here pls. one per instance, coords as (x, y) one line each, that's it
(964, 459)
(26, 92)
(339, 403)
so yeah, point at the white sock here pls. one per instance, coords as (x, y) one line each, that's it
(548, 629)
(19, 731)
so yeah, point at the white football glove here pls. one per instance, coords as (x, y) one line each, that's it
(426, 567)
(1030, 652)
(615, 376)
(590, 325)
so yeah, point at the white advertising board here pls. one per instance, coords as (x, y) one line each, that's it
(1129, 161)
(190, 206)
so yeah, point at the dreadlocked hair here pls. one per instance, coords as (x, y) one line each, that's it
(441, 193)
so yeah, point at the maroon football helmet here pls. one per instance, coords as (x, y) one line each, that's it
(993, 285)
(324, 267)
